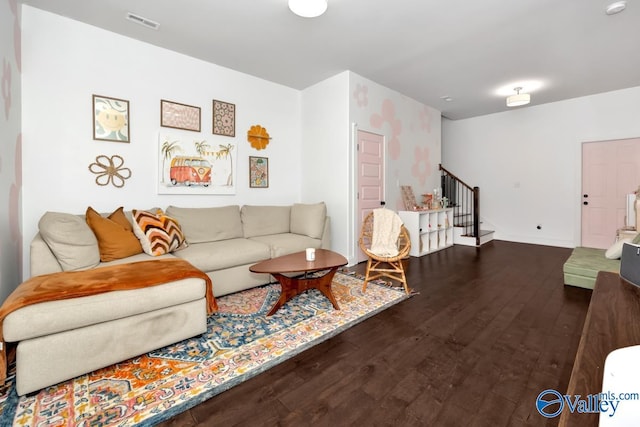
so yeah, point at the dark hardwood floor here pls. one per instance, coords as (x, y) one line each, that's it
(490, 329)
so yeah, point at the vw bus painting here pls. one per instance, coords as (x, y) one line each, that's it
(190, 171)
(187, 166)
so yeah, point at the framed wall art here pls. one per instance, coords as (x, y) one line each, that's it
(258, 172)
(190, 165)
(179, 116)
(110, 119)
(224, 118)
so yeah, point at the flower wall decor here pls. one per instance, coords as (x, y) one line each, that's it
(110, 170)
(224, 118)
(258, 137)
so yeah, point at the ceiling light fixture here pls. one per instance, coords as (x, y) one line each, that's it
(616, 7)
(308, 8)
(518, 99)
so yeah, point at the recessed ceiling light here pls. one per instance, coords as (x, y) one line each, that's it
(615, 7)
(308, 8)
(446, 98)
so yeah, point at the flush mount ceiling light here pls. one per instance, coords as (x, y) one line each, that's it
(308, 8)
(518, 99)
(615, 7)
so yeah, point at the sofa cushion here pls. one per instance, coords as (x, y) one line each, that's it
(212, 256)
(287, 243)
(63, 315)
(308, 219)
(159, 234)
(70, 240)
(208, 224)
(115, 235)
(265, 220)
(135, 258)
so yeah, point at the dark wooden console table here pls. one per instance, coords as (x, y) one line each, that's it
(612, 322)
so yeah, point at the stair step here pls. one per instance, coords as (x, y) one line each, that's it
(482, 233)
(466, 240)
(463, 224)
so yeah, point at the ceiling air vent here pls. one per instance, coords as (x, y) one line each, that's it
(142, 21)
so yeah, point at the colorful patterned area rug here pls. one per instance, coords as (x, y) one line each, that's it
(240, 342)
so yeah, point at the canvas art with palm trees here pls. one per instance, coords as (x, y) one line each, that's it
(195, 166)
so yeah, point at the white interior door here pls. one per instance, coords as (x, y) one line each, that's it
(370, 177)
(610, 171)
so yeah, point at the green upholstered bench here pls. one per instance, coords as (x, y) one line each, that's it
(583, 266)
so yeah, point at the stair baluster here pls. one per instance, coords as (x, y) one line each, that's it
(465, 201)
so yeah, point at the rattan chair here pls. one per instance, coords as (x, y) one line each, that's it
(378, 266)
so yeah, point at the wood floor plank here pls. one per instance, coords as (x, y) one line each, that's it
(490, 329)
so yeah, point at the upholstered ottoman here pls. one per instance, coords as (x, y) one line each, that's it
(583, 266)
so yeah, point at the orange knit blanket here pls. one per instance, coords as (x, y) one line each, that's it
(74, 284)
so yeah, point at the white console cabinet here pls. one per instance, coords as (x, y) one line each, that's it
(429, 231)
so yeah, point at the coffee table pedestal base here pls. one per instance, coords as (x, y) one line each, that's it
(292, 286)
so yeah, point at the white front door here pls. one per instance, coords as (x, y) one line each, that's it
(370, 177)
(610, 171)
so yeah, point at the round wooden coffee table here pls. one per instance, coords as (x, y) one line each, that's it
(297, 263)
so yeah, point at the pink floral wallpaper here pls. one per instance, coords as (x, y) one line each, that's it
(412, 135)
(388, 116)
(421, 168)
(10, 148)
(360, 95)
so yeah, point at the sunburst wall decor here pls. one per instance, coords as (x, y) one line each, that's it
(258, 137)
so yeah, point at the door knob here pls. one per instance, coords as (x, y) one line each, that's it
(585, 203)
(585, 195)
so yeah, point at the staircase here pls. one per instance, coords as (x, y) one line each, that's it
(465, 201)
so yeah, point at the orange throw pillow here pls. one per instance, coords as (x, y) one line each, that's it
(115, 235)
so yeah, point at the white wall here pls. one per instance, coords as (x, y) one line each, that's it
(326, 154)
(10, 148)
(65, 62)
(527, 162)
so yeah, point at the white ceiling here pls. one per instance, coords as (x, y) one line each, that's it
(426, 49)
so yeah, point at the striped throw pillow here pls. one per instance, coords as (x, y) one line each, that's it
(159, 234)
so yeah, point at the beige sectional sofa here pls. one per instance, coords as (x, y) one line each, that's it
(59, 340)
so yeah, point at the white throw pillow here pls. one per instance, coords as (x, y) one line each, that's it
(70, 239)
(615, 250)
